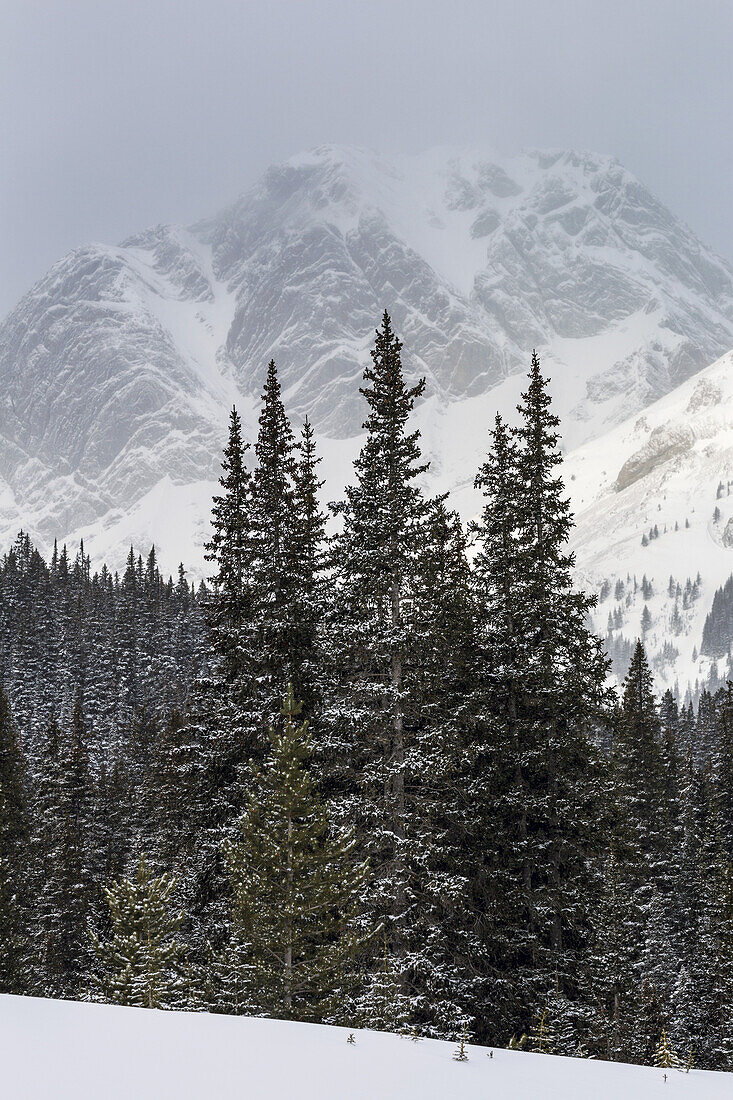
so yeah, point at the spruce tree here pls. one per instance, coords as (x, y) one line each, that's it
(501, 830)
(294, 884)
(308, 555)
(68, 906)
(221, 729)
(665, 1056)
(14, 866)
(722, 766)
(645, 812)
(230, 552)
(141, 964)
(540, 700)
(276, 565)
(643, 770)
(379, 751)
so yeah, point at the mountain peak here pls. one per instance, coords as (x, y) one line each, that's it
(119, 366)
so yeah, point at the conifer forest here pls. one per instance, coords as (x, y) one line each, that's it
(371, 771)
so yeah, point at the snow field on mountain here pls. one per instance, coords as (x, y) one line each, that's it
(62, 1050)
(662, 467)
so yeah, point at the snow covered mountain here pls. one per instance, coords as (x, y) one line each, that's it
(653, 503)
(64, 1050)
(118, 368)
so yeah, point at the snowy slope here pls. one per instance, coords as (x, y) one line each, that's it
(68, 1051)
(662, 468)
(118, 368)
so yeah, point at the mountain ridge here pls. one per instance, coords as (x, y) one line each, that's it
(120, 365)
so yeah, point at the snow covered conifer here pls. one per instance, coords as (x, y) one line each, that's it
(141, 964)
(665, 1056)
(229, 550)
(309, 557)
(294, 882)
(384, 748)
(540, 696)
(276, 565)
(384, 1005)
(69, 889)
(14, 867)
(222, 732)
(643, 772)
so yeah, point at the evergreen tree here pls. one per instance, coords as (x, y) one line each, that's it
(722, 767)
(222, 727)
(277, 565)
(644, 814)
(543, 672)
(141, 962)
(294, 886)
(230, 552)
(380, 751)
(309, 559)
(665, 1056)
(643, 771)
(69, 904)
(14, 868)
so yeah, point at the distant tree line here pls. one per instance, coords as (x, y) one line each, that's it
(717, 634)
(374, 778)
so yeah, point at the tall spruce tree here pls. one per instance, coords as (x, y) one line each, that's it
(276, 566)
(722, 766)
(68, 908)
(501, 886)
(644, 813)
(641, 766)
(230, 552)
(379, 752)
(309, 556)
(544, 676)
(219, 735)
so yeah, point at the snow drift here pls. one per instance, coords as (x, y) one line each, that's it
(68, 1051)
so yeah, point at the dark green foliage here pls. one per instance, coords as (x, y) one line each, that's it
(230, 552)
(308, 560)
(541, 694)
(69, 892)
(717, 633)
(389, 752)
(14, 863)
(295, 883)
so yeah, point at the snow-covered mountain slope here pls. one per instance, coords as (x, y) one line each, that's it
(663, 474)
(119, 366)
(63, 1050)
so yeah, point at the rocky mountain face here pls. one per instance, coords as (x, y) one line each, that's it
(118, 368)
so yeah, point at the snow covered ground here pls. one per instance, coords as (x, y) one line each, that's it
(60, 1050)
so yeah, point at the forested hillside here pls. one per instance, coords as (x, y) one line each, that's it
(371, 779)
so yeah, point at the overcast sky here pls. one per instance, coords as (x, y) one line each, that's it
(115, 114)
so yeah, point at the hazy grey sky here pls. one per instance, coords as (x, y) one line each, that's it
(115, 114)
